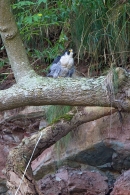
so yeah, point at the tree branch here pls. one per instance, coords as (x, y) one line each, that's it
(19, 157)
(101, 91)
(13, 44)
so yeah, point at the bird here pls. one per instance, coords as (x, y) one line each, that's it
(62, 66)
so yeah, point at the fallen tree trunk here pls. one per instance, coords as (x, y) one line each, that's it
(101, 91)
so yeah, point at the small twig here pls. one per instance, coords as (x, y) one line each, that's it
(35, 61)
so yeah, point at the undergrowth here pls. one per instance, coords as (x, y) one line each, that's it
(55, 112)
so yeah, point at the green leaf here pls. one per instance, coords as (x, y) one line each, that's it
(23, 3)
(36, 18)
(41, 1)
(28, 19)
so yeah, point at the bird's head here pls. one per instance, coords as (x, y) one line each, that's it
(70, 52)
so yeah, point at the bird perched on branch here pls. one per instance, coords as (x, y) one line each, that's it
(62, 66)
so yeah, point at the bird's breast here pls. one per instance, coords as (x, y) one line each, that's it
(70, 63)
(67, 62)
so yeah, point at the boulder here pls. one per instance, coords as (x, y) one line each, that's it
(75, 182)
(122, 184)
(103, 143)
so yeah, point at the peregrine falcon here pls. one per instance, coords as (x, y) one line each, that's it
(62, 66)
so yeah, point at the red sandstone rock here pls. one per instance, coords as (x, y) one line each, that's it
(103, 143)
(97, 143)
(122, 185)
(75, 182)
(14, 126)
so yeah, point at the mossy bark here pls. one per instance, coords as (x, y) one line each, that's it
(37, 91)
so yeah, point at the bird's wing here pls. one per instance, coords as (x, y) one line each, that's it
(63, 71)
(54, 70)
(56, 60)
(70, 72)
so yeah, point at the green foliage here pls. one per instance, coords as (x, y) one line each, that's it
(41, 26)
(101, 29)
(3, 76)
(2, 63)
(55, 112)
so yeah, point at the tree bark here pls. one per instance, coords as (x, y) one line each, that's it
(13, 44)
(20, 156)
(32, 89)
(66, 91)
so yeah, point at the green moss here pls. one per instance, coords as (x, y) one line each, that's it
(55, 113)
(20, 168)
(66, 117)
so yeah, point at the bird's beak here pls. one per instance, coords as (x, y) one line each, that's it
(71, 50)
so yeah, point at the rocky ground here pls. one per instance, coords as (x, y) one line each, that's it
(91, 160)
